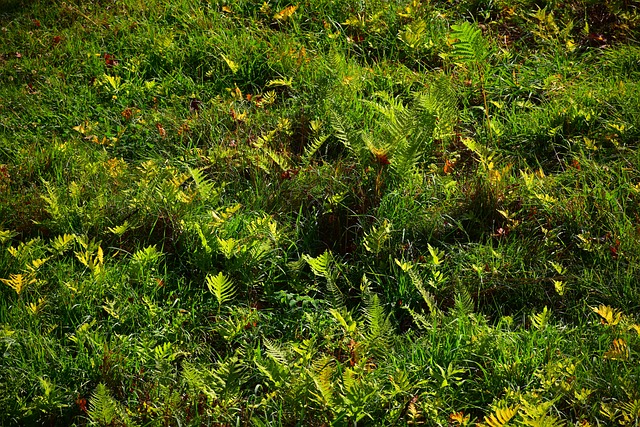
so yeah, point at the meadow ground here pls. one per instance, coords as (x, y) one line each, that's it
(320, 213)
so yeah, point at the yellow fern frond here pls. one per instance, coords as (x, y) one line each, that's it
(18, 282)
(500, 417)
(609, 316)
(618, 350)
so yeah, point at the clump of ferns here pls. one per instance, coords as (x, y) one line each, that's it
(405, 132)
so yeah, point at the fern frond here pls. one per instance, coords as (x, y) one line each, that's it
(375, 239)
(428, 298)
(199, 379)
(544, 421)
(340, 131)
(540, 320)
(421, 320)
(221, 287)
(61, 243)
(469, 46)
(102, 407)
(275, 351)
(322, 375)
(345, 319)
(500, 417)
(609, 316)
(205, 187)
(105, 410)
(320, 265)
(337, 297)
(463, 303)
(279, 159)
(311, 149)
(378, 325)
(631, 412)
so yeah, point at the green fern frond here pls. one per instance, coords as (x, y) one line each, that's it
(205, 187)
(345, 319)
(279, 159)
(61, 243)
(322, 374)
(378, 325)
(376, 238)
(541, 320)
(311, 149)
(544, 421)
(221, 287)
(105, 410)
(320, 265)
(275, 351)
(336, 295)
(102, 407)
(340, 131)
(631, 412)
(463, 303)
(469, 46)
(200, 380)
(428, 298)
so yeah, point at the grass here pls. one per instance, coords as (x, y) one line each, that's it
(319, 213)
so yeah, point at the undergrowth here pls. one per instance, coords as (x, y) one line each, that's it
(319, 213)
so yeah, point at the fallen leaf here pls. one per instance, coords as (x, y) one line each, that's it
(161, 131)
(285, 13)
(448, 167)
(110, 60)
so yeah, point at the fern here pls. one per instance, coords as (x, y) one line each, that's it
(463, 303)
(375, 240)
(275, 351)
(537, 415)
(221, 287)
(320, 265)
(379, 329)
(469, 46)
(105, 410)
(102, 408)
(205, 187)
(340, 131)
(541, 320)
(500, 417)
(313, 148)
(322, 375)
(428, 298)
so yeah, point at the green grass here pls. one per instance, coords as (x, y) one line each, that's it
(319, 213)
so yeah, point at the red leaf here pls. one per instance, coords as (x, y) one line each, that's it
(56, 40)
(110, 60)
(448, 167)
(127, 113)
